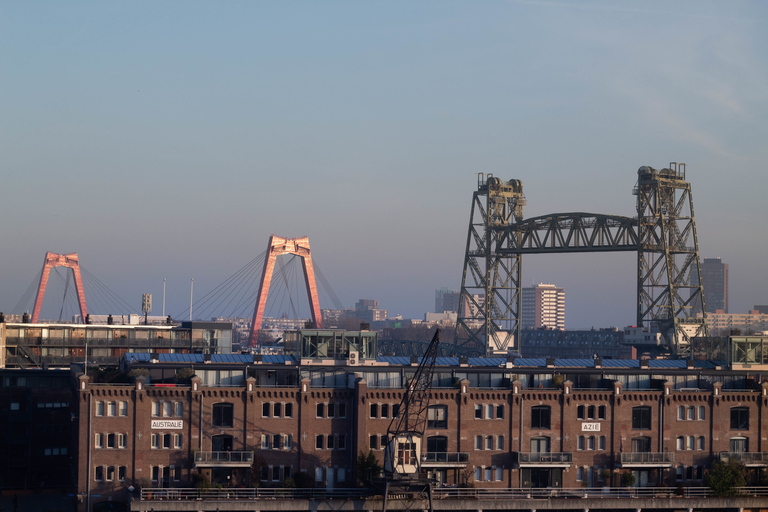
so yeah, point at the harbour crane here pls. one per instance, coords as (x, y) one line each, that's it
(402, 455)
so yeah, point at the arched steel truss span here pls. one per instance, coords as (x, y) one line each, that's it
(568, 232)
(670, 292)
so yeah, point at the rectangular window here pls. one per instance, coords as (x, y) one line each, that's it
(681, 443)
(289, 410)
(489, 411)
(500, 412)
(580, 445)
(319, 441)
(374, 410)
(702, 413)
(98, 441)
(320, 412)
(383, 441)
(264, 442)
(277, 441)
(223, 415)
(540, 417)
(176, 470)
(122, 441)
(681, 412)
(112, 410)
(179, 406)
(123, 408)
(488, 474)
(478, 474)
(265, 473)
(385, 410)
(167, 409)
(155, 473)
(691, 443)
(276, 474)
(602, 442)
(121, 472)
(167, 438)
(330, 442)
(395, 410)
(111, 441)
(591, 412)
(499, 475)
(288, 444)
(155, 438)
(110, 473)
(99, 473)
(691, 413)
(601, 412)
(591, 444)
(489, 443)
(437, 416)
(331, 410)
(641, 418)
(287, 473)
(500, 443)
(156, 408)
(342, 475)
(277, 411)
(373, 442)
(177, 441)
(341, 442)
(478, 412)
(701, 443)
(739, 418)
(265, 407)
(478, 442)
(581, 412)
(99, 408)
(579, 473)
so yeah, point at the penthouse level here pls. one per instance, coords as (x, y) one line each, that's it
(492, 422)
(24, 345)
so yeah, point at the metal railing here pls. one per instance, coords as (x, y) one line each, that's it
(545, 458)
(745, 457)
(448, 457)
(151, 494)
(224, 458)
(647, 457)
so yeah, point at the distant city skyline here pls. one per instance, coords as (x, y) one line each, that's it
(170, 140)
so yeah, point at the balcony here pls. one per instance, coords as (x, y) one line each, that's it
(749, 459)
(444, 460)
(544, 459)
(223, 459)
(647, 459)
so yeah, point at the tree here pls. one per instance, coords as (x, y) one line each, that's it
(628, 479)
(368, 468)
(725, 477)
(184, 375)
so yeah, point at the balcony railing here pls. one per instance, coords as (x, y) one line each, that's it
(445, 459)
(545, 458)
(746, 458)
(647, 458)
(224, 459)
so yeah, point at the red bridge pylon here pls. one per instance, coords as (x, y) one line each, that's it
(279, 246)
(60, 260)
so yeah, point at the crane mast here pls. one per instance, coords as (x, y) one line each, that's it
(402, 456)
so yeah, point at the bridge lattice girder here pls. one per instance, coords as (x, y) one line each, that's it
(569, 232)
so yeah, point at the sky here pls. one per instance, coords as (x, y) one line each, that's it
(169, 140)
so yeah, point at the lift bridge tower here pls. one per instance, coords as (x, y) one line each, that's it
(669, 284)
(489, 305)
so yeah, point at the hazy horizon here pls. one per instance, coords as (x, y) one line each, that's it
(169, 140)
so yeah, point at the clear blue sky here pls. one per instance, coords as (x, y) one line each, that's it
(170, 139)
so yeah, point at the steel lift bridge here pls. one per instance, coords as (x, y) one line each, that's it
(669, 289)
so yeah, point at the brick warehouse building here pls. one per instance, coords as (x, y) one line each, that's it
(492, 422)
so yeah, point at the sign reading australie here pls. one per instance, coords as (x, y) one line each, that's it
(168, 424)
(590, 427)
